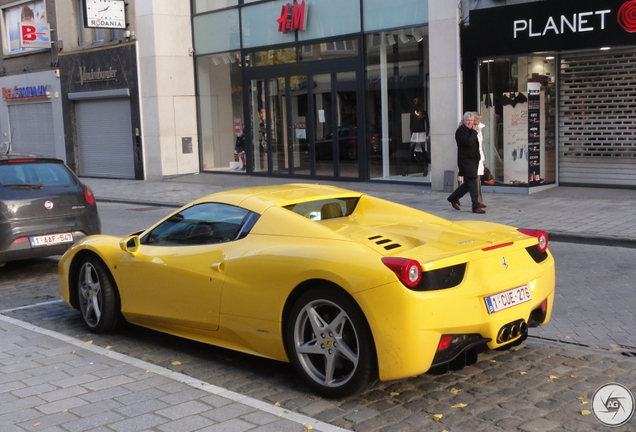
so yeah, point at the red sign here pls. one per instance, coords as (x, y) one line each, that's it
(35, 35)
(292, 17)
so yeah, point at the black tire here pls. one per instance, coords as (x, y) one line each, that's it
(98, 297)
(330, 344)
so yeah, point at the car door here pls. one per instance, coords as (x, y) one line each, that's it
(175, 278)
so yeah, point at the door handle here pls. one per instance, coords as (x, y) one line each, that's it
(218, 267)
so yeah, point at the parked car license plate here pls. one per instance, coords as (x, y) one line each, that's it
(51, 239)
(506, 299)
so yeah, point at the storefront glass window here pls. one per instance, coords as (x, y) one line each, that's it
(221, 112)
(397, 102)
(329, 50)
(518, 105)
(260, 27)
(209, 5)
(272, 57)
(216, 32)
(382, 14)
(333, 18)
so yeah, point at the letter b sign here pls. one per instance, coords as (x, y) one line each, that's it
(35, 35)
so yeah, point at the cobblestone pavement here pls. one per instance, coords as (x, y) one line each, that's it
(538, 386)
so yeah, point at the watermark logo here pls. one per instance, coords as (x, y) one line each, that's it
(627, 16)
(613, 404)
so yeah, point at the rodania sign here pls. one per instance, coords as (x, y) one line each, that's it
(554, 26)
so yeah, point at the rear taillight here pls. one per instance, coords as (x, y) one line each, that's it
(88, 195)
(21, 240)
(407, 270)
(444, 342)
(541, 235)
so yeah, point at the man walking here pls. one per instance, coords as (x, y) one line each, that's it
(467, 162)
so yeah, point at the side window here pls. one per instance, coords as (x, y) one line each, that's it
(207, 223)
(325, 208)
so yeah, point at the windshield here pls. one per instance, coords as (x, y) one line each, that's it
(34, 174)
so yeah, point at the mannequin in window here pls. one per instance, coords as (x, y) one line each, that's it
(419, 134)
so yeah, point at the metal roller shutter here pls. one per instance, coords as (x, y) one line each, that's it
(597, 114)
(31, 128)
(104, 134)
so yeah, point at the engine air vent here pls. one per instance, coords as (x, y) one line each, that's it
(381, 240)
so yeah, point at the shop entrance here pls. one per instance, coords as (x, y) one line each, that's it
(305, 123)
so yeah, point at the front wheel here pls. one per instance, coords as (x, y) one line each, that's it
(98, 296)
(330, 343)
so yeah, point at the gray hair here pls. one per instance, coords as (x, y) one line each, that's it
(469, 114)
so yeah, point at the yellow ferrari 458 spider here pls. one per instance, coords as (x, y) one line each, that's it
(348, 287)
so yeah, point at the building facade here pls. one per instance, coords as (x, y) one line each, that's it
(111, 90)
(31, 117)
(328, 89)
(556, 82)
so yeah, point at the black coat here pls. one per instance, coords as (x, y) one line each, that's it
(467, 151)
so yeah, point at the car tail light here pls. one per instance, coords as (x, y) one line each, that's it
(541, 235)
(407, 270)
(444, 342)
(21, 240)
(89, 195)
(20, 160)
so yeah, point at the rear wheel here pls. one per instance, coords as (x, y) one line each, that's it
(98, 297)
(330, 343)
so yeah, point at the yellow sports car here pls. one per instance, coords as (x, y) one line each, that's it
(348, 287)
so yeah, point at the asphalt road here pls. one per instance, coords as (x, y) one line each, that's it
(534, 387)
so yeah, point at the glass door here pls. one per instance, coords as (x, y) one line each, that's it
(305, 125)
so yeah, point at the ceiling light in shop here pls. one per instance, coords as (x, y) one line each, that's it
(417, 35)
(216, 61)
(606, 48)
(390, 39)
(403, 37)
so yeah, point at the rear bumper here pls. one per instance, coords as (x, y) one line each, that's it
(21, 251)
(407, 329)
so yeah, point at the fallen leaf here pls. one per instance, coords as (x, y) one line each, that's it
(437, 417)
(523, 373)
(586, 412)
(276, 404)
(57, 367)
(108, 347)
(585, 402)
(148, 371)
(582, 398)
(574, 376)
(394, 394)
(493, 361)
(459, 405)
(568, 337)
(308, 427)
(454, 390)
(552, 377)
(37, 424)
(88, 342)
(176, 363)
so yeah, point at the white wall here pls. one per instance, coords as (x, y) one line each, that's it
(446, 88)
(166, 82)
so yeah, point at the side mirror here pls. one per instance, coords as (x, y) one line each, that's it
(130, 244)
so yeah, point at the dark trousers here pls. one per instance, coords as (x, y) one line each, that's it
(468, 186)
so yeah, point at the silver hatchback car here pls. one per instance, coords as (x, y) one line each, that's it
(44, 207)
